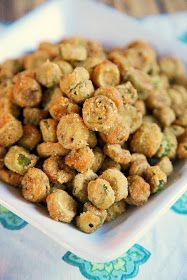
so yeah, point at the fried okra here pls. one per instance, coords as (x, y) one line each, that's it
(48, 129)
(10, 177)
(109, 163)
(33, 115)
(61, 206)
(171, 66)
(70, 51)
(182, 146)
(48, 74)
(117, 181)
(63, 106)
(98, 159)
(158, 99)
(112, 93)
(156, 178)
(140, 107)
(117, 153)
(31, 137)
(51, 149)
(165, 165)
(19, 160)
(138, 167)
(92, 139)
(178, 97)
(115, 210)
(80, 183)
(10, 130)
(35, 185)
(33, 60)
(143, 140)
(72, 132)
(100, 193)
(168, 145)
(128, 93)
(138, 190)
(27, 92)
(132, 117)
(57, 171)
(165, 115)
(99, 113)
(106, 74)
(80, 159)
(6, 106)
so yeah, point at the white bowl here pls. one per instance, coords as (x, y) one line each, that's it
(90, 19)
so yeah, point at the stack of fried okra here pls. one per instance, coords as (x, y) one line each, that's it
(88, 131)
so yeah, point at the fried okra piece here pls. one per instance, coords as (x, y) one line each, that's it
(112, 93)
(143, 141)
(80, 159)
(171, 66)
(19, 160)
(10, 177)
(61, 206)
(88, 222)
(70, 52)
(119, 132)
(182, 146)
(117, 209)
(63, 106)
(165, 165)
(120, 61)
(48, 74)
(51, 149)
(128, 93)
(35, 59)
(182, 119)
(92, 139)
(72, 132)
(90, 63)
(100, 193)
(80, 183)
(178, 96)
(165, 115)
(117, 181)
(6, 106)
(48, 129)
(99, 113)
(51, 49)
(27, 92)
(91, 219)
(98, 159)
(150, 119)
(137, 156)
(138, 191)
(10, 130)
(177, 130)
(141, 81)
(181, 80)
(132, 117)
(106, 74)
(10, 67)
(64, 66)
(117, 153)
(168, 144)
(109, 163)
(56, 170)
(140, 107)
(156, 178)
(35, 185)
(3, 152)
(138, 167)
(31, 137)
(34, 115)
(49, 97)
(158, 99)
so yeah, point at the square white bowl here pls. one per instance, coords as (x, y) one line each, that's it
(93, 20)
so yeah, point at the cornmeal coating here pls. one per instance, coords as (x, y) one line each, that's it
(10, 130)
(100, 193)
(171, 66)
(165, 165)
(72, 133)
(118, 182)
(48, 149)
(10, 177)
(80, 159)
(117, 209)
(139, 190)
(128, 93)
(48, 129)
(31, 137)
(19, 160)
(156, 178)
(61, 206)
(99, 113)
(80, 183)
(143, 140)
(117, 153)
(35, 185)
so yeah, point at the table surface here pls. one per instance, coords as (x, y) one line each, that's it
(13, 9)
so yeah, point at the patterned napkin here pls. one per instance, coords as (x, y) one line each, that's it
(27, 254)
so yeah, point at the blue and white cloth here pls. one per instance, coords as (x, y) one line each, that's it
(27, 254)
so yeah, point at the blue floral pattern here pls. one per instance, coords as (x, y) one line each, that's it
(180, 206)
(9, 220)
(122, 268)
